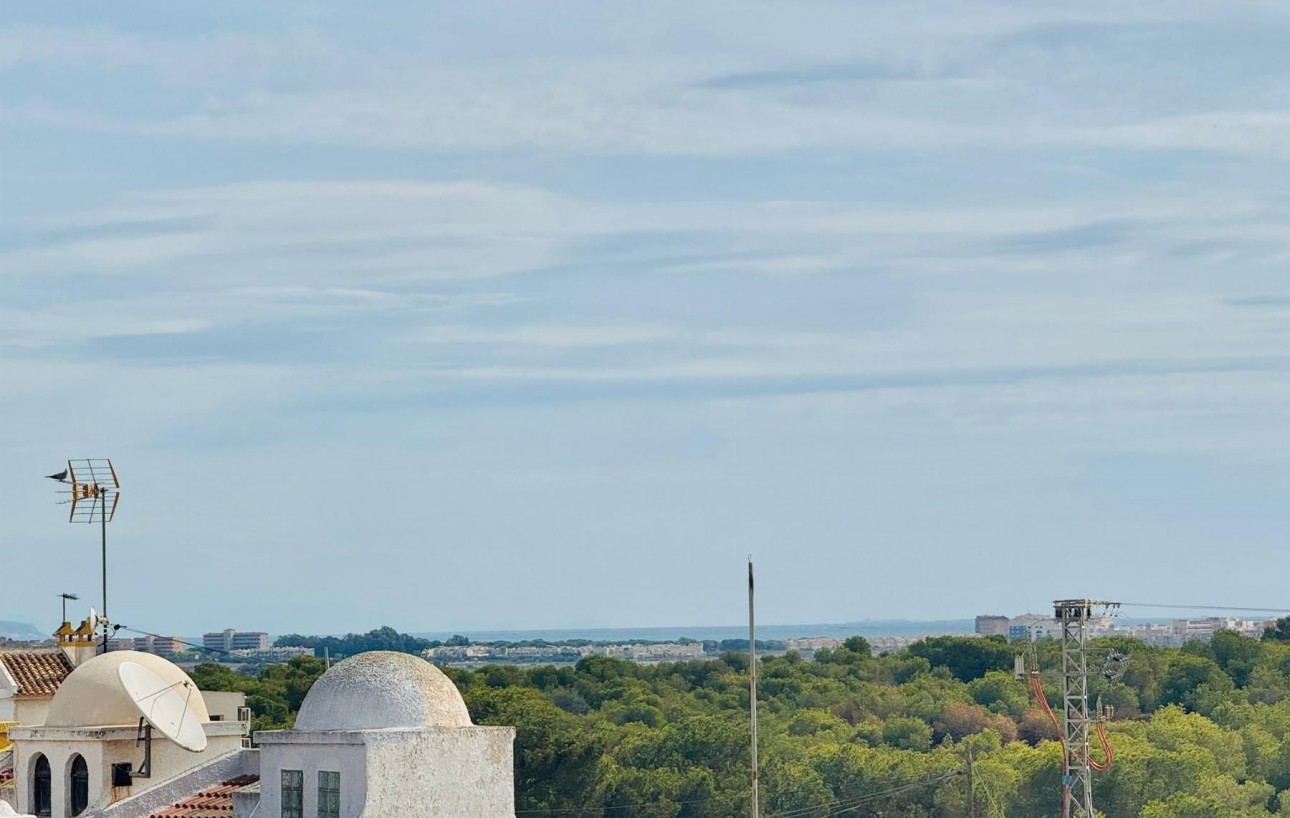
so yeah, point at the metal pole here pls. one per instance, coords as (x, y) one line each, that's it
(103, 521)
(752, 690)
(970, 789)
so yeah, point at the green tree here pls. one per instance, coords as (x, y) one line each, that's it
(1280, 632)
(965, 658)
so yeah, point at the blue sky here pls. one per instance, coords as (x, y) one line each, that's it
(502, 315)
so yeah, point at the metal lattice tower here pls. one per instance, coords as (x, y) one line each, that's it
(1077, 773)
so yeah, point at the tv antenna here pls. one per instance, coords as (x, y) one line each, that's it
(66, 598)
(95, 492)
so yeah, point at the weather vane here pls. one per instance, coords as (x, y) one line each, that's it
(95, 492)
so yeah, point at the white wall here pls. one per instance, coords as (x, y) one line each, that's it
(451, 772)
(102, 747)
(29, 712)
(223, 703)
(342, 752)
(465, 772)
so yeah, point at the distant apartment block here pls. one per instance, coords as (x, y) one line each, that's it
(160, 645)
(229, 640)
(988, 625)
(1034, 626)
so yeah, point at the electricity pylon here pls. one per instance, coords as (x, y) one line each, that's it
(1077, 771)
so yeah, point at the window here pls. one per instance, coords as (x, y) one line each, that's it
(80, 781)
(40, 792)
(328, 794)
(293, 794)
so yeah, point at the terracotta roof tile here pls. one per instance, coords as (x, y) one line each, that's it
(38, 673)
(216, 802)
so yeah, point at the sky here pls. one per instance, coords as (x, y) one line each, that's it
(504, 315)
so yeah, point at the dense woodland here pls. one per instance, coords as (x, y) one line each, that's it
(1198, 732)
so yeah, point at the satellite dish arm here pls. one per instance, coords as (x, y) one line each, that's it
(144, 736)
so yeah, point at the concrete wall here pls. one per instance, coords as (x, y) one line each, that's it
(223, 703)
(450, 772)
(465, 772)
(158, 797)
(102, 747)
(29, 712)
(342, 752)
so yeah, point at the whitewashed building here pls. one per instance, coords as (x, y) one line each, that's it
(379, 735)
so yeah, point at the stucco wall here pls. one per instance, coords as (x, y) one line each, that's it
(102, 747)
(311, 753)
(465, 772)
(159, 796)
(462, 772)
(29, 712)
(223, 704)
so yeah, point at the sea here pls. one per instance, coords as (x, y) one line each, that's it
(866, 628)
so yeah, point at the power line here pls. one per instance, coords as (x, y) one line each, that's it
(864, 799)
(845, 805)
(1247, 609)
(205, 649)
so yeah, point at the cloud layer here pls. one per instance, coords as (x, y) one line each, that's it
(489, 299)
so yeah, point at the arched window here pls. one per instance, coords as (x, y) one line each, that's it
(80, 786)
(41, 803)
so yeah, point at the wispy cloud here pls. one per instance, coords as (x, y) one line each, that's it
(733, 276)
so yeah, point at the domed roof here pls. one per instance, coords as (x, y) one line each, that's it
(380, 690)
(92, 695)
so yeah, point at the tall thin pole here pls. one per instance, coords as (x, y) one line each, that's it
(752, 689)
(103, 521)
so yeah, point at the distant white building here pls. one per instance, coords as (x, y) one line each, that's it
(229, 640)
(1033, 626)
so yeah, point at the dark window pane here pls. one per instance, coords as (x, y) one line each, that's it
(41, 801)
(293, 794)
(80, 785)
(328, 794)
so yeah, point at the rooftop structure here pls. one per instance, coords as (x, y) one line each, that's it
(365, 725)
(213, 802)
(91, 749)
(33, 673)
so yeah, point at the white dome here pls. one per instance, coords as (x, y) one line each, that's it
(380, 690)
(92, 695)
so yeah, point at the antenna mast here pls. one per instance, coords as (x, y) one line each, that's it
(95, 492)
(752, 689)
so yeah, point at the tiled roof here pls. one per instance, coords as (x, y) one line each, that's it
(38, 673)
(216, 802)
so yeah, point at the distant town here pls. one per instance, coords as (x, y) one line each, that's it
(250, 650)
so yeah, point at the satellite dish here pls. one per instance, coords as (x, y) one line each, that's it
(164, 706)
(6, 811)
